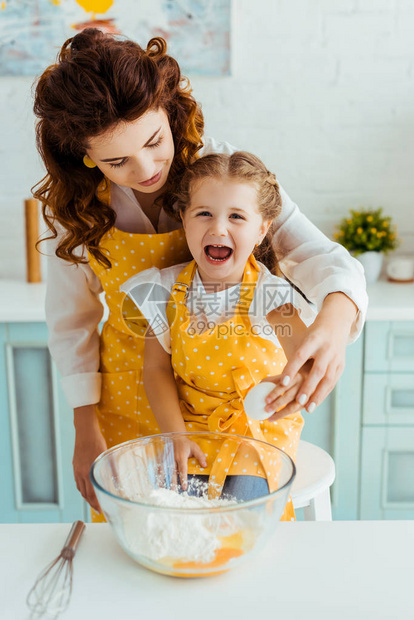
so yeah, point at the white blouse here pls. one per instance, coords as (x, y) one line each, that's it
(210, 309)
(316, 265)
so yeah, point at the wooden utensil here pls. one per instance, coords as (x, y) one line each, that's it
(33, 273)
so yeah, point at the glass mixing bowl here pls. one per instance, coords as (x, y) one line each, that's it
(138, 489)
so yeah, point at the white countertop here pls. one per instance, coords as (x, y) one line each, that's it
(389, 301)
(23, 302)
(308, 570)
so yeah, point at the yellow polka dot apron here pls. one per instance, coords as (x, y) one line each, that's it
(123, 411)
(214, 370)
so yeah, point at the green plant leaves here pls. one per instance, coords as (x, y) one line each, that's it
(367, 230)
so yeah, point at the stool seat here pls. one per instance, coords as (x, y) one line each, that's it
(315, 473)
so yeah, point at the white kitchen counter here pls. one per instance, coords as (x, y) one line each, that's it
(389, 301)
(23, 302)
(307, 571)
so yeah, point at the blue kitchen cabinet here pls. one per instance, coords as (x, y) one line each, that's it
(388, 399)
(8, 513)
(389, 346)
(387, 455)
(36, 432)
(387, 473)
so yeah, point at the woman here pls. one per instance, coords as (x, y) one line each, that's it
(117, 127)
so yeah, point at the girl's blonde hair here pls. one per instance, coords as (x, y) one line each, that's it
(246, 168)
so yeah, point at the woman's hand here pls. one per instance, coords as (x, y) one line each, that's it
(89, 444)
(325, 343)
(183, 450)
(282, 400)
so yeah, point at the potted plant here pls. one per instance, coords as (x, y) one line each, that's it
(368, 235)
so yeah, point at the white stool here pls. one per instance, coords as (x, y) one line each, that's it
(315, 473)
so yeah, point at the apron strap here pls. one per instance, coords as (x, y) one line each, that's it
(248, 286)
(180, 289)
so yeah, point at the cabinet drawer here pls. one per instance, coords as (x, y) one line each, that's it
(388, 399)
(387, 473)
(37, 433)
(389, 346)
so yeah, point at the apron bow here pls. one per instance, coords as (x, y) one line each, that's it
(230, 414)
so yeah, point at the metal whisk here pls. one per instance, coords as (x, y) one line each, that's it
(51, 593)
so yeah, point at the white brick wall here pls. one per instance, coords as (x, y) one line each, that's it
(322, 90)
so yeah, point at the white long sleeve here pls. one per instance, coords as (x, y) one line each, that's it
(316, 265)
(73, 313)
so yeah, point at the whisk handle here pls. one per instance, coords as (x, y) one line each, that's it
(74, 536)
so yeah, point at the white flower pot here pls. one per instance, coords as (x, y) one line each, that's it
(372, 264)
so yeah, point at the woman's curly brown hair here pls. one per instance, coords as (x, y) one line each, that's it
(97, 82)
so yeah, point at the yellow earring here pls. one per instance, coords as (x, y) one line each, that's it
(89, 163)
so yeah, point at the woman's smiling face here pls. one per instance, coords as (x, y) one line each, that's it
(222, 226)
(136, 154)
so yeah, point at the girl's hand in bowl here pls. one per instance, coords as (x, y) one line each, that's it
(184, 449)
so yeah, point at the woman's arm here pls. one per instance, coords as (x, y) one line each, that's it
(161, 390)
(315, 264)
(329, 277)
(73, 313)
(89, 444)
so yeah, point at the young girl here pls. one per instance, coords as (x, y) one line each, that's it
(117, 127)
(205, 364)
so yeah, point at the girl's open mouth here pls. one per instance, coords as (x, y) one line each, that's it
(217, 253)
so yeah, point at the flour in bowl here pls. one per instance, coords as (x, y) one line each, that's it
(157, 534)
